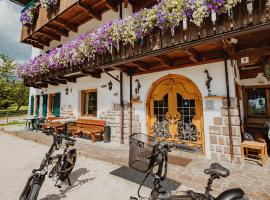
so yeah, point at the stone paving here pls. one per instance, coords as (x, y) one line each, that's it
(254, 179)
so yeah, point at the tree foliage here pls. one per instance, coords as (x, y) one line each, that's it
(12, 90)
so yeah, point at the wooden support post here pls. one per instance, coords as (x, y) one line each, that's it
(130, 104)
(122, 108)
(229, 107)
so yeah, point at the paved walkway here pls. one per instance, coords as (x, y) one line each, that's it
(254, 179)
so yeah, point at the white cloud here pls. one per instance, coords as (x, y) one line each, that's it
(10, 31)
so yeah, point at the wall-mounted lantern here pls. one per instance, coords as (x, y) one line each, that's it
(110, 85)
(42, 93)
(67, 90)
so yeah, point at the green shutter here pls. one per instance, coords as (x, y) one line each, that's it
(56, 110)
(32, 105)
(38, 105)
(44, 105)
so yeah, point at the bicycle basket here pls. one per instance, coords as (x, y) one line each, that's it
(140, 152)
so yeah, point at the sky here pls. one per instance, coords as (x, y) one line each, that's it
(10, 32)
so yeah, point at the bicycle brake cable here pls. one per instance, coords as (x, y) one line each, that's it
(139, 189)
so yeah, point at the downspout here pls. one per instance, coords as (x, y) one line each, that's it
(228, 107)
(130, 104)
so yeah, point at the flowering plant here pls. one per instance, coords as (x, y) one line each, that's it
(48, 3)
(28, 16)
(166, 14)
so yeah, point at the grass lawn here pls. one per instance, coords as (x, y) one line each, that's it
(12, 123)
(13, 108)
(12, 112)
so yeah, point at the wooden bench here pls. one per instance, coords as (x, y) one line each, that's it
(92, 127)
(251, 146)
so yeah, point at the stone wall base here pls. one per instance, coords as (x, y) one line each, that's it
(113, 119)
(220, 138)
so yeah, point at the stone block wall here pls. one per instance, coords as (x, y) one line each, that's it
(219, 134)
(113, 119)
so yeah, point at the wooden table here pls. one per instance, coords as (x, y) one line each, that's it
(251, 146)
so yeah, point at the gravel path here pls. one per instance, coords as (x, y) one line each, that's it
(90, 179)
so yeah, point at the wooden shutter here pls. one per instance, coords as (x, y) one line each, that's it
(32, 105)
(44, 105)
(38, 105)
(56, 110)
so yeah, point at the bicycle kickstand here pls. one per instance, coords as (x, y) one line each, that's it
(69, 183)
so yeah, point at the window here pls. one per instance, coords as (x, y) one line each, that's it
(54, 104)
(89, 102)
(257, 102)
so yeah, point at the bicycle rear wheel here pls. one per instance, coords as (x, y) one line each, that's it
(34, 192)
(68, 165)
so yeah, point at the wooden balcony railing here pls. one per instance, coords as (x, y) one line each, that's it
(68, 16)
(129, 57)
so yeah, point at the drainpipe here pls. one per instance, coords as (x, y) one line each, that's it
(122, 108)
(130, 104)
(228, 107)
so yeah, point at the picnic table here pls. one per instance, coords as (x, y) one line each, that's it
(31, 123)
(60, 125)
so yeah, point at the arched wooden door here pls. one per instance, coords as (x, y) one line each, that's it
(174, 111)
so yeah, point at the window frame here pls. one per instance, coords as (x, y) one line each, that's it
(267, 101)
(83, 107)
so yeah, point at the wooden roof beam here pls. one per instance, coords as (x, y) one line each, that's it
(141, 66)
(264, 51)
(45, 43)
(229, 47)
(111, 5)
(89, 10)
(165, 60)
(68, 79)
(96, 74)
(52, 36)
(125, 3)
(193, 55)
(66, 24)
(60, 31)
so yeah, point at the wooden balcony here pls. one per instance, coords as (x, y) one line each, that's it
(228, 38)
(70, 14)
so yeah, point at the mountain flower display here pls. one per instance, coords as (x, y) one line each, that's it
(28, 16)
(167, 14)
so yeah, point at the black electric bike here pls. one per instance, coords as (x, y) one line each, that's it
(62, 165)
(151, 157)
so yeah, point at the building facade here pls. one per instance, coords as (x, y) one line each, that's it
(194, 86)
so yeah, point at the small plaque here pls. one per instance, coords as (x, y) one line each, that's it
(209, 105)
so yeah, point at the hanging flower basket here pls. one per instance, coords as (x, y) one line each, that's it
(28, 16)
(133, 30)
(49, 4)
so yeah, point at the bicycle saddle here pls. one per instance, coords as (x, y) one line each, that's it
(218, 170)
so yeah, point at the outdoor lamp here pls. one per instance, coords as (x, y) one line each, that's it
(67, 91)
(110, 85)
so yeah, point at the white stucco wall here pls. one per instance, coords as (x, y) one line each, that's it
(107, 98)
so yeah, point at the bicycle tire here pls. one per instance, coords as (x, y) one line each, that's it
(34, 192)
(27, 189)
(67, 167)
